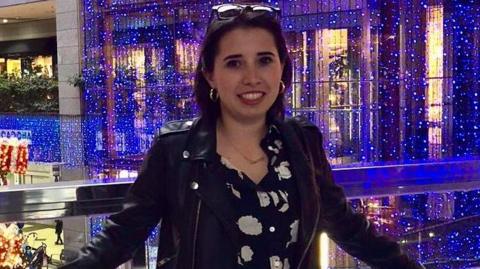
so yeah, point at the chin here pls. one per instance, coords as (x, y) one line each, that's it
(254, 116)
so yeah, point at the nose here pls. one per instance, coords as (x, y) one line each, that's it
(251, 75)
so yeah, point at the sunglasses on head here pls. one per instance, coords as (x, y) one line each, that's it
(231, 11)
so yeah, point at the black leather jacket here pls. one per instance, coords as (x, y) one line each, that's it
(197, 224)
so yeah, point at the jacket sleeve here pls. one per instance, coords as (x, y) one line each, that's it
(352, 231)
(125, 231)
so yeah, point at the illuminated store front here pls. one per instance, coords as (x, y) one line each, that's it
(34, 56)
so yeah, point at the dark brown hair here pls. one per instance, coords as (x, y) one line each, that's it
(215, 32)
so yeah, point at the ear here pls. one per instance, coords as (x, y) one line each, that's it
(209, 78)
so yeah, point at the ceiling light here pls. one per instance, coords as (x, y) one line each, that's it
(5, 20)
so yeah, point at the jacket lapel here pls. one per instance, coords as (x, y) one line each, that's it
(212, 191)
(300, 163)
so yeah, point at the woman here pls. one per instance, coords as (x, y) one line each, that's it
(239, 187)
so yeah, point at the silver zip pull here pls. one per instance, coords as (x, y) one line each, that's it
(166, 260)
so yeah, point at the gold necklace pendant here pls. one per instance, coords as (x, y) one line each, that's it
(249, 160)
(252, 162)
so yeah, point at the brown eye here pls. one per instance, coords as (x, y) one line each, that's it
(266, 60)
(233, 64)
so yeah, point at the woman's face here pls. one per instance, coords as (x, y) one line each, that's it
(247, 73)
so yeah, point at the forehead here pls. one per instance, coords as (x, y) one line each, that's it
(245, 41)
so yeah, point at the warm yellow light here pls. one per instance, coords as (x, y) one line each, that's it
(186, 54)
(14, 67)
(46, 63)
(435, 74)
(5, 20)
(139, 63)
(324, 251)
(11, 242)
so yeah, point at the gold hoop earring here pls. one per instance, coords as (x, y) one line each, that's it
(213, 95)
(282, 87)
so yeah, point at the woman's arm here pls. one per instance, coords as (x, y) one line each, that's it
(125, 231)
(352, 231)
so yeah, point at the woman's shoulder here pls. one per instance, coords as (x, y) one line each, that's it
(175, 127)
(173, 133)
(307, 130)
(302, 122)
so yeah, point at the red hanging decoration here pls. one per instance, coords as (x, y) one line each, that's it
(22, 158)
(10, 247)
(13, 158)
(5, 155)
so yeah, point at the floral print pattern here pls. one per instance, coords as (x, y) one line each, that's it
(267, 212)
(249, 225)
(283, 171)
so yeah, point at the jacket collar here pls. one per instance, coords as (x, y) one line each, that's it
(202, 140)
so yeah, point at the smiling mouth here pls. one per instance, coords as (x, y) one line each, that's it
(251, 96)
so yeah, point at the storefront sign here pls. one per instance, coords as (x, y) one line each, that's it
(20, 134)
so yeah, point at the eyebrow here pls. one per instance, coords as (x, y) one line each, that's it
(266, 53)
(234, 56)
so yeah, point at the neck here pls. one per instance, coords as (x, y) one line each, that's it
(251, 131)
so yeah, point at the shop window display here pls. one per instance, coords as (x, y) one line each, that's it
(3, 65)
(43, 65)
(26, 65)
(14, 67)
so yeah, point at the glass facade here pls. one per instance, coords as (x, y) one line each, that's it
(380, 78)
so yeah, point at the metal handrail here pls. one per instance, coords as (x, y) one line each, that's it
(90, 197)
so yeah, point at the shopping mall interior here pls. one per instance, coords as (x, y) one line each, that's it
(393, 85)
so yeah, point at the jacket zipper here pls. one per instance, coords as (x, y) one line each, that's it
(199, 205)
(309, 242)
(166, 260)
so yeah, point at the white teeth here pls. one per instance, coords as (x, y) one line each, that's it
(252, 95)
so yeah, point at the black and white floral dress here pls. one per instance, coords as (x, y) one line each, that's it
(267, 213)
